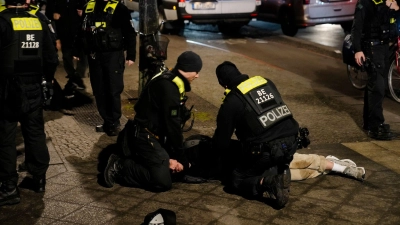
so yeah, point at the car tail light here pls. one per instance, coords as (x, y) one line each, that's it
(253, 15)
(258, 2)
(306, 2)
(182, 3)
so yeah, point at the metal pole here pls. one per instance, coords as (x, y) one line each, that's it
(148, 25)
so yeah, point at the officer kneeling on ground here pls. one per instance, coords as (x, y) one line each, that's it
(24, 41)
(258, 161)
(153, 142)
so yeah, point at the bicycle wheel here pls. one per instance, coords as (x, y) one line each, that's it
(357, 77)
(394, 81)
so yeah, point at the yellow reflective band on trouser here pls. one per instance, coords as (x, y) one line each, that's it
(181, 86)
(100, 24)
(251, 83)
(26, 24)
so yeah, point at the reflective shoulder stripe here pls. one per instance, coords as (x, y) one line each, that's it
(90, 6)
(2, 5)
(113, 4)
(33, 9)
(377, 2)
(251, 83)
(181, 86)
(226, 93)
(25, 23)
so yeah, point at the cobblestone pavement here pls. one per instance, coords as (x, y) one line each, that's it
(75, 194)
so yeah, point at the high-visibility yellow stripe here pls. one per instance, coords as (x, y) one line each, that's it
(100, 24)
(26, 24)
(251, 83)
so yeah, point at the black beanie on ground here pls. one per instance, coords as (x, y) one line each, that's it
(189, 62)
(226, 73)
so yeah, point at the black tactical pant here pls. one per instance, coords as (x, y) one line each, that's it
(36, 153)
(148, 164)
(68, 62)
(252, 168)
(376, 86)
(106, 77)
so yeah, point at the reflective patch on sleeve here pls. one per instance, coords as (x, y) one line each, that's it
(174, 112)
(26, 24)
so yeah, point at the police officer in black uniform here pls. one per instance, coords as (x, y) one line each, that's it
(373, 28)
(24, 41)
(107, 31)
(266, 131)
(153, 142)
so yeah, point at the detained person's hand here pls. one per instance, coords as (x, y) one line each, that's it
(359, 57)
(129, 62)
(175, 166)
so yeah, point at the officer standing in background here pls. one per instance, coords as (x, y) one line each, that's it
(107, 31)
(22, 51)
(373, 28)
(153, 142)
(258, 161)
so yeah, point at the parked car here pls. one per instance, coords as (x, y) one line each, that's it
(228, 15)
(295, 14)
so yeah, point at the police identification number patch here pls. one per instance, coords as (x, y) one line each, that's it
(26, 24)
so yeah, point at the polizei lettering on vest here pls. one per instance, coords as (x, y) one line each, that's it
(26, 24)
(274, 115)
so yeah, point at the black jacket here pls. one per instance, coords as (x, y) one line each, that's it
(121, 18)
(369, 20)
(156, 106)
(69, 23)
(230, 119)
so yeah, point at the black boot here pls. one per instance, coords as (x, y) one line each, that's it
(39, 184)
(9, 193)
(383, 132)
(277, 187)
(111, 173)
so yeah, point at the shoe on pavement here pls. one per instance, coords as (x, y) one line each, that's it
(342, 162)
(9, 193)
(111, 173)
(382, 133)
(355, 172)
(100, 128)
(39, 184)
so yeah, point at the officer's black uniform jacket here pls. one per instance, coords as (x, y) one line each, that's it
(158, 110)
(369, 20)
(121, 19)
(230, 119)
(49, 55)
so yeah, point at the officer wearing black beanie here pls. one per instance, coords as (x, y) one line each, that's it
(266, 131)
(155, 137)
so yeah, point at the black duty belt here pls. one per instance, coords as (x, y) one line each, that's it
(375, 42)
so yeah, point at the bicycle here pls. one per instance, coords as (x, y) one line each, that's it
(358, 75)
